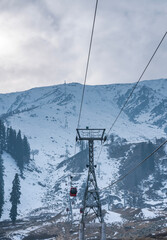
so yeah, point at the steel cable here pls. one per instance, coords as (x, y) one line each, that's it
(121, 110)
(87, 64)
(134, 168)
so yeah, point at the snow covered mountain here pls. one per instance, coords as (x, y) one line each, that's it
(48, 117)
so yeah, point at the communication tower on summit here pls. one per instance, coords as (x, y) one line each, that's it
(65, 117)
(65, 93)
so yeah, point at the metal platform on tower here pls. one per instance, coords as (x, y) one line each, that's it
(91, 200)
(90, 134)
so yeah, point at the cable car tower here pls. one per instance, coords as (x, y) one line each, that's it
(91, 200)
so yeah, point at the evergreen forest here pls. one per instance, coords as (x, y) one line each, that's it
(13, 143)
(18, 147)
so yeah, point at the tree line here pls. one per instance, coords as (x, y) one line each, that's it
(14, 195)
(18, 147)
(13, 143)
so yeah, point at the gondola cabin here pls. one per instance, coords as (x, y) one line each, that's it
(73, 192)
(81, 210)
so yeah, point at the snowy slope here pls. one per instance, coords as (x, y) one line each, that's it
(40, 114)
(29, 186)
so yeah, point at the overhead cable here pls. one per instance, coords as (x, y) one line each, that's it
(87, 64)
(137, 82)
(134, 168)
(127, 100)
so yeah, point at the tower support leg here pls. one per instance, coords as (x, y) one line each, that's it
(81, 232)
(103, 231)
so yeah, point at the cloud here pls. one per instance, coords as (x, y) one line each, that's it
(45, 42)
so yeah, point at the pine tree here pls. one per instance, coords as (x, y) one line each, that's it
(26, 150)
(19, 151)
(1, 186)
(2, 136)
(11, 142)
(15, 198)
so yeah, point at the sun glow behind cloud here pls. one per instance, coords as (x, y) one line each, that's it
(46, 42)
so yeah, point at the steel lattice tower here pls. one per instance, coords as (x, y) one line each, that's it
(91, 200)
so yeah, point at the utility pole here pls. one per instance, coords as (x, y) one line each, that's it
(65, 114)
(70, 212)
(69, 208)
(91, 200)
(65, 91)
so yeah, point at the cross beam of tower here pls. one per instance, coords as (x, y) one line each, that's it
(91, 200)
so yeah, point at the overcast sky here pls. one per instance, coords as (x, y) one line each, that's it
(45, 42)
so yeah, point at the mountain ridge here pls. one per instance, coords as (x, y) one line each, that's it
(41, 114)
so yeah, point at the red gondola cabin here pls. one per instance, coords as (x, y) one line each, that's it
(81, 210)
(73, 192)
